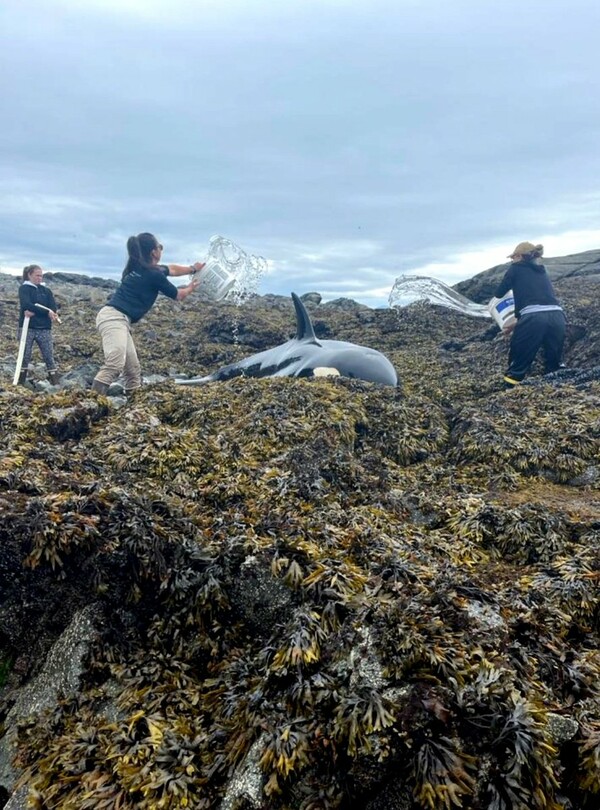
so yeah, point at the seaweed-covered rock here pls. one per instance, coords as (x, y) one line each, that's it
(309, 594)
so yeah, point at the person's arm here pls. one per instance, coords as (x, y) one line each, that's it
(505, 285)
(50, 309)
(26, 300)
(171, 291)
(184, 269)
(183, 292)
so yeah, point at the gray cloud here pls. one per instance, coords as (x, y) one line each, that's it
(346, 143)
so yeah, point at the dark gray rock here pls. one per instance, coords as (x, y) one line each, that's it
(80, 377)
(79, 278)
(482, 286)
(279, 301)
(561, 729)
(587, 477)
(347, 304)
(245, 785)
(58, 677)
(311, 298)
(259, 596)
(18, 801)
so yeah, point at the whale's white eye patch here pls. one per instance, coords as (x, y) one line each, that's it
(324, 371)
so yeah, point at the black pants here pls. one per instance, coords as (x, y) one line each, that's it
(535, 330)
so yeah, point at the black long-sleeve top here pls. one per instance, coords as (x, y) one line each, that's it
(30, 295)
(530, 284)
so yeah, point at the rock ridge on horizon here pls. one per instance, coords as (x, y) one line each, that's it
(478, 288)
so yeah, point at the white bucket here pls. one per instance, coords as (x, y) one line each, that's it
(502, 310)
(215, 280)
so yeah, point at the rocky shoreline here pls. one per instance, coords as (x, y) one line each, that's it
(303, 594)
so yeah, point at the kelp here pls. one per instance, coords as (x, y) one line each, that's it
(315, 593)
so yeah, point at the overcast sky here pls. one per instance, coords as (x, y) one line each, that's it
(346, 141)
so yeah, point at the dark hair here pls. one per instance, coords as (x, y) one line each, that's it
(27, 271)
(536, 253)
(139, 250)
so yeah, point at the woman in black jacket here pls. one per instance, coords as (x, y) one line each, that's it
(38, 305)
(540, 318)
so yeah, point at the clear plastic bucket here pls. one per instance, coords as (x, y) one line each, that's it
(502, 310)
(215, 280)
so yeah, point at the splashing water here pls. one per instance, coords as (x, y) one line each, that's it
(411, 289)
(246, 269)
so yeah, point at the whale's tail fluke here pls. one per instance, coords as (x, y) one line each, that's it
(305, 330)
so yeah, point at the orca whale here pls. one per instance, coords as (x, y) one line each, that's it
(307, 356)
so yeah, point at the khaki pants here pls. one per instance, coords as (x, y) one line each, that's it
(120, 355)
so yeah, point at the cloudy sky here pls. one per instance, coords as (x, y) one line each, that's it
(346, 141)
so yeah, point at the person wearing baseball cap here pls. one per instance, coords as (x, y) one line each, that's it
(540, 318)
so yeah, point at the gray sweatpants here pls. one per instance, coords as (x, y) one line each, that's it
(120, 355)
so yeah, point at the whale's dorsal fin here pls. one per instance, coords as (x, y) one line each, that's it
(305, 330)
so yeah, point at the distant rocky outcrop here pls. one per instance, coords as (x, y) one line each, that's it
(481, 287)
(80, 279)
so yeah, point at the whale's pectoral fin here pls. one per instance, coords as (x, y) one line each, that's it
(324, 371)
(305, 330)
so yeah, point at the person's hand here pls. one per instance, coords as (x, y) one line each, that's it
(183, 292)
(53, 315)
(29, 314)
(508, 329)
(198, 266)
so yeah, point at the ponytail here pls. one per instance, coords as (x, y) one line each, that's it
(139, 251)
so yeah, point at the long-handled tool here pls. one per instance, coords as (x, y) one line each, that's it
(41, 306)
(21, 353)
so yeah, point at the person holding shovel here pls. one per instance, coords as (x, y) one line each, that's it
(37, 304)
(142, 280)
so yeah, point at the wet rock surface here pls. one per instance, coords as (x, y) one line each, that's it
(309, 594)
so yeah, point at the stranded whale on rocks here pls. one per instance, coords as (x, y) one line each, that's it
(307, 356)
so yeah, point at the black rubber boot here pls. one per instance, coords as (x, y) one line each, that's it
(99, 387)
(22, 378)
(54, 377)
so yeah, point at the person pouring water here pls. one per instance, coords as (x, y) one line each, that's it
(144, 277)
(540, 319)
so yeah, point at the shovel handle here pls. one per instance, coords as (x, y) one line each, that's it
(41, 306)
